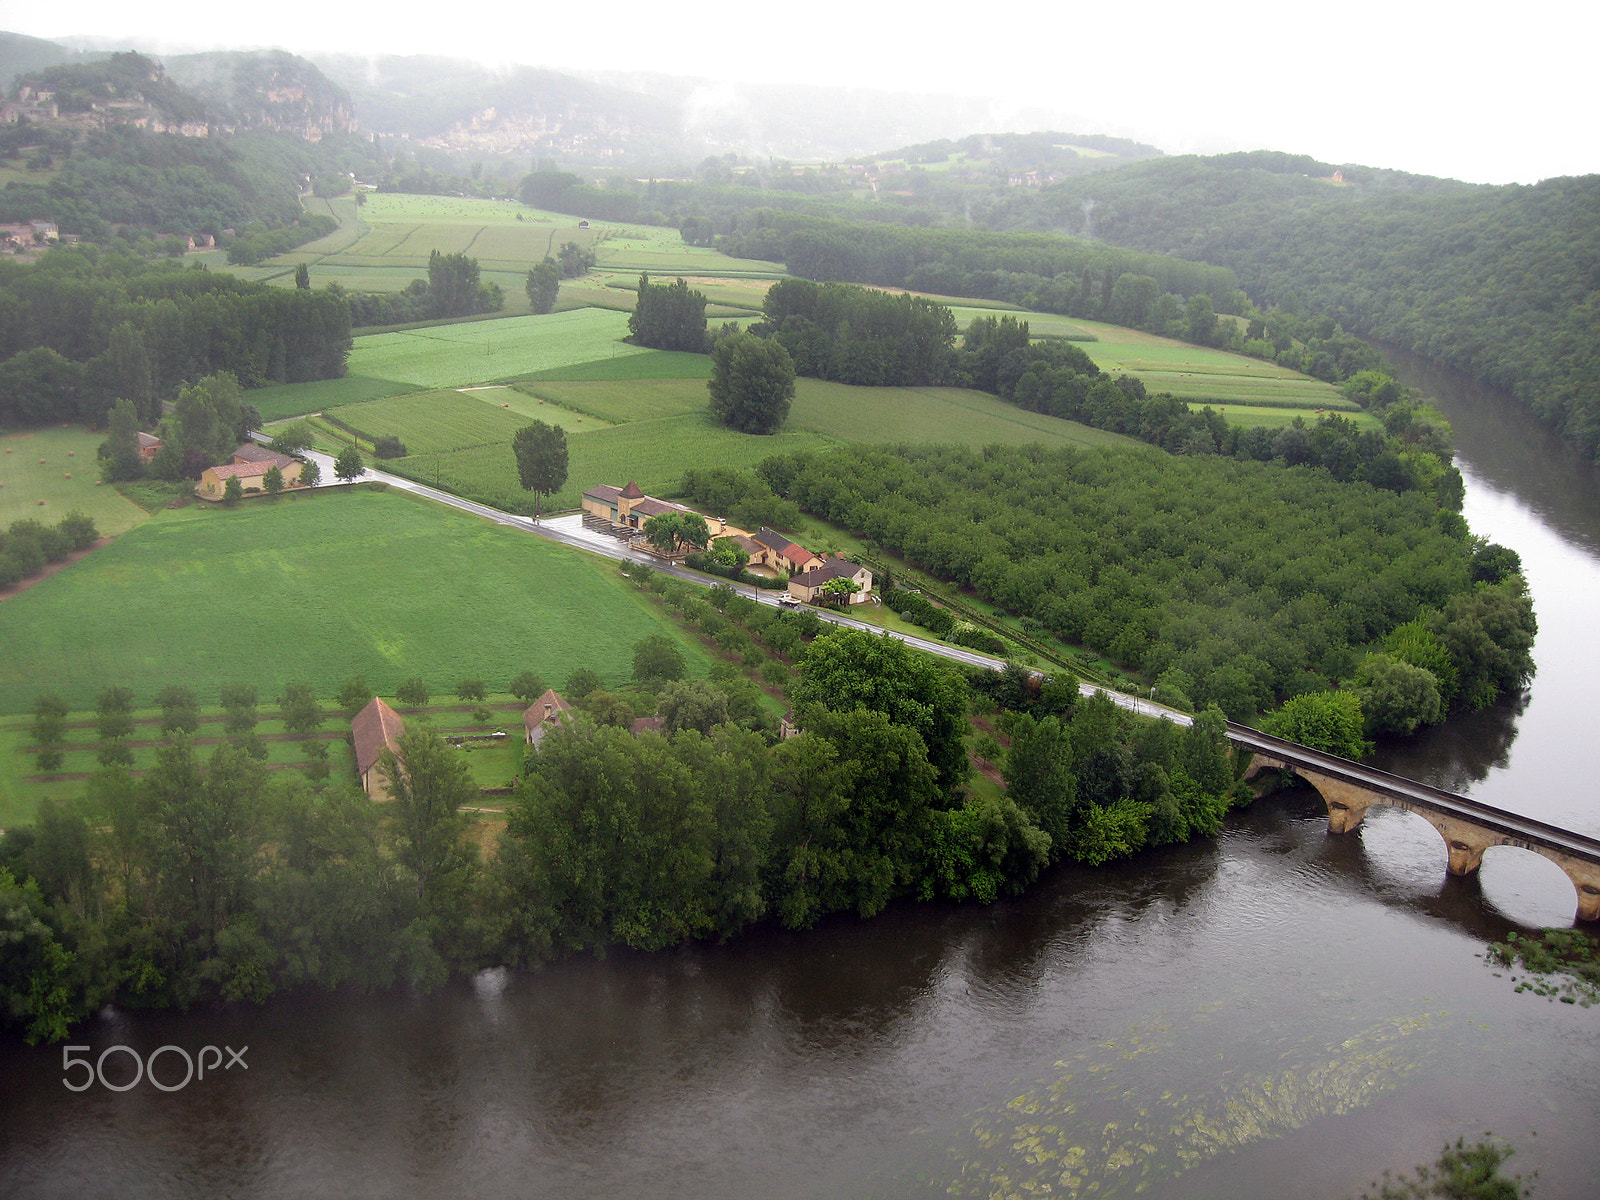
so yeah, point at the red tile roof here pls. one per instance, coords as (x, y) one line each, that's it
(547, 707)
(632, 491)
(374, 729)
(244, 470)
(252, 453)
(649, 506)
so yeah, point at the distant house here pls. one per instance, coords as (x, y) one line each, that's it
(807, 585)
(374, 729)
(647, 725)
(249, 466)
(543, 715)
(149, 445)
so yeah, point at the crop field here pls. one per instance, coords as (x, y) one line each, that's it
(320, 588)
(655, 453)
(286, 400)
(746, 295)
(1268, 417)
(431, 422)
(622, 401)
(838, 412)
(65, 451)
(653, 364)
(1187, 372)
(1039, 324)
(470, 352)
(659, 429)
(529, 407)
(842, 413)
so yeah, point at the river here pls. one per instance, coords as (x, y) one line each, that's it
(1276, 1013)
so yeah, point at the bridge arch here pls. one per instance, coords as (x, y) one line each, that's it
(1465, 841)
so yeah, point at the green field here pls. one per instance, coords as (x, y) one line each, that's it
(430, 422)
(66, 450)
(1187, 372)
(471, 352)
(1277, 418)
(297, 399)
(655, 453)
(844, 413)
(320, 588)
(654, 364)
(659, 428)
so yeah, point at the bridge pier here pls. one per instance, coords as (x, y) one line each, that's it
(1465, 839)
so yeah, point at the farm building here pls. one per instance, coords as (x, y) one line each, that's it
(807, 585)
(374, 729)
(149, 444)
(249, 466)
(543, 715)
(781, 553)
(629, 505)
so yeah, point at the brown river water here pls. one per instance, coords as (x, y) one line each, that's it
(1276, 1013)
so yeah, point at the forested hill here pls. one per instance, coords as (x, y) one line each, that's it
(1500, 282)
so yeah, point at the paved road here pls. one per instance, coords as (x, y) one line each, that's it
(569, 531)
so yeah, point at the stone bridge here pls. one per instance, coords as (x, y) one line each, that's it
(1467, 827)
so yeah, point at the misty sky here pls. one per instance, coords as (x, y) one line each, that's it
(1493, 94)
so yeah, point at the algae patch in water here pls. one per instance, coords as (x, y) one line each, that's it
(1103, 1127)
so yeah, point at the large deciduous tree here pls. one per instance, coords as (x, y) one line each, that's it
(669, 316)
(541, 450)
(348, 465)
(848, 669)
(429, 790)
(752, 383)
(1328, 721)
(119, 453)
(543, 284)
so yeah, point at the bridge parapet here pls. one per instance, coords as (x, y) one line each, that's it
(1467, 828)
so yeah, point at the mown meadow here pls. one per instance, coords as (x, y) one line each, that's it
(58, 465)
(319, 588)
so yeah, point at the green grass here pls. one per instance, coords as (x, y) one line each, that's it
(838, 412)
(653, 364)
(296, 399)
(66, 450)
(320, 588)
(844, 413)
(655, 453)
(431, 422)
(622, 401)
(1276, 418)
(660, 429)
(1187, 372)
(479, 352)
(1195, 372)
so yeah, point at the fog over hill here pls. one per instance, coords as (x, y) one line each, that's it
(597, 117)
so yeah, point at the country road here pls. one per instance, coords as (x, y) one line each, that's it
(568, 530)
